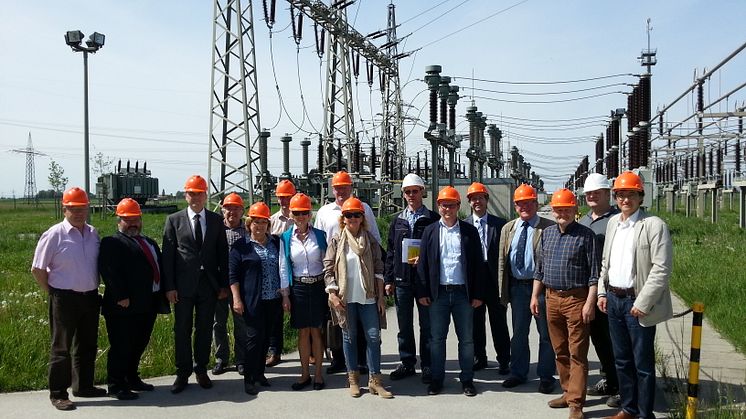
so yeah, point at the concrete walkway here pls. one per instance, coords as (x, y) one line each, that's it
(227, 399)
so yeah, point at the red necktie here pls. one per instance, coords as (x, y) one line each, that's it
(149, 257)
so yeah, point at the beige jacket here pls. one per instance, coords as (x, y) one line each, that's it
(333, 279)
(503, 264)
(653, 255)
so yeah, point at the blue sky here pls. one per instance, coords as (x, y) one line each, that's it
(150, 84)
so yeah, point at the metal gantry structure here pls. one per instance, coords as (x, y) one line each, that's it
(29, 186)
(235, 127)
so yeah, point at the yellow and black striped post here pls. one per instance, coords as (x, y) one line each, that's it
(693, 385)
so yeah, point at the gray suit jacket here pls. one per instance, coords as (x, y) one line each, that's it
(503, 264)
(653, 255)
(182, 260)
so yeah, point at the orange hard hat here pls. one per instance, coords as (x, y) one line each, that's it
(300, 202)
(352, 204)
(259, 210)
(563, 198)
(233, 199)
(449, 193)
(476, 187)
(524, 193)
(628, 181)
(74, 197)
(196, 183)
(128, 207)
(341, 178)
(285, 188)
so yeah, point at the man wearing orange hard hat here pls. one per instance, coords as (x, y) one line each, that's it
(633, 291)
(65, 267)
(520, 243)
(232, 208)
(567, 274)
(451, 282)
(195, 276)
(129, 263)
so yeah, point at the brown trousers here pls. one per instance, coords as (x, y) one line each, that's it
(570, 340)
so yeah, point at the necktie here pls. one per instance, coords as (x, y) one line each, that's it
(482, 227)
(521, 250)
(149, 257)
(197, 231)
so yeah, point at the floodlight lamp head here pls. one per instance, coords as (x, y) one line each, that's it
(96, 40)
(73, 38)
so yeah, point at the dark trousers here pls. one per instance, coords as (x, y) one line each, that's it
(498, 328)
(220, 333)
(405, 303)
(196, 314)
(601, 340)
(256, 341)
(73, 323)
(128, 337)
(276, 337)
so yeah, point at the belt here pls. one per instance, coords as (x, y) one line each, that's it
(72, 292)
(568, 292)
(309, 279)
(621, 292)
(452, 287)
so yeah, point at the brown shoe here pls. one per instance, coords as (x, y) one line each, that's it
(63, 404)
(203, 380)
(621, 415)
(558, 403)
(272, 360)
(576, 413)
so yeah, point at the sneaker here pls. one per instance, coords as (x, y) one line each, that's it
(219, 368)
(614, 401)
(427, 375)
(601, 388)
(402, 371)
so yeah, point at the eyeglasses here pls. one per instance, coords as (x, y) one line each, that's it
(300, 213)
(448, 206)
(349, 215)
(621, 196)
(411, 191)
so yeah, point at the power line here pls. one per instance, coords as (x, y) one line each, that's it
(587, 89)
(609, 76)
(546, 101)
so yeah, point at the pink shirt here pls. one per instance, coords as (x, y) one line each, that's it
(69, 257)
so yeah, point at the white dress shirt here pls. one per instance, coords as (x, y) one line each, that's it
(202, 221)
(306, 257)
(327, 220)
(621, 257)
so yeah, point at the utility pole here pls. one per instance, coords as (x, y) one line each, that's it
(29, 189)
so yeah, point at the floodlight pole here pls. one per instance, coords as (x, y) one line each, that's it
(86, 141)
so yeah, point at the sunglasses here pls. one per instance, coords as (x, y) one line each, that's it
(353, 215)
(299, 213)
(448, 206)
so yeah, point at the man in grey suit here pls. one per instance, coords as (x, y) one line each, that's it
(195, 275)
(489, 228)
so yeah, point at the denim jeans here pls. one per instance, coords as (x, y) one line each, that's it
(453, 301)
(405, 302)
(634, 353)
(367, 316)
(520, 353)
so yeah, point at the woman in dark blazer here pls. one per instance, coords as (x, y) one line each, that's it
(255, 282)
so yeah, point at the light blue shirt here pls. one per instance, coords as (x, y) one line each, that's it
(528, 270)
(451, 268)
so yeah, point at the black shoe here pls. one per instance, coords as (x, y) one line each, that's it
(402, 371)
(479, 364)
(262, 380)
(203, 380)
(250, 388)
(272, 360)
(140, 385)
(614, 401)
(504, 368)
(434, 388)
(427, 375)
(219, 368)
(362, 369)
(319, 386)
(90, 392)
(63, 404)
(240, 369)
(469, 389)
(512, 382)
(335, 368)
(300, 385)
(123, 394)
(546, 387)
(179, 385)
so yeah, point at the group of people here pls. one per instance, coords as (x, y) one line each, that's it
(603, 279)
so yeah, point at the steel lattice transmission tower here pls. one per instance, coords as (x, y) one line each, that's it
(29, 188)
(234, 105)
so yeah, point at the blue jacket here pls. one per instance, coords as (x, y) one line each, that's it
(398, 231)
(245, 269)
(285, 240)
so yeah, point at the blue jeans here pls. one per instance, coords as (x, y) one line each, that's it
(453, 301)
(405, 302)
(520, 353)
(367, 315)
(634, 354)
